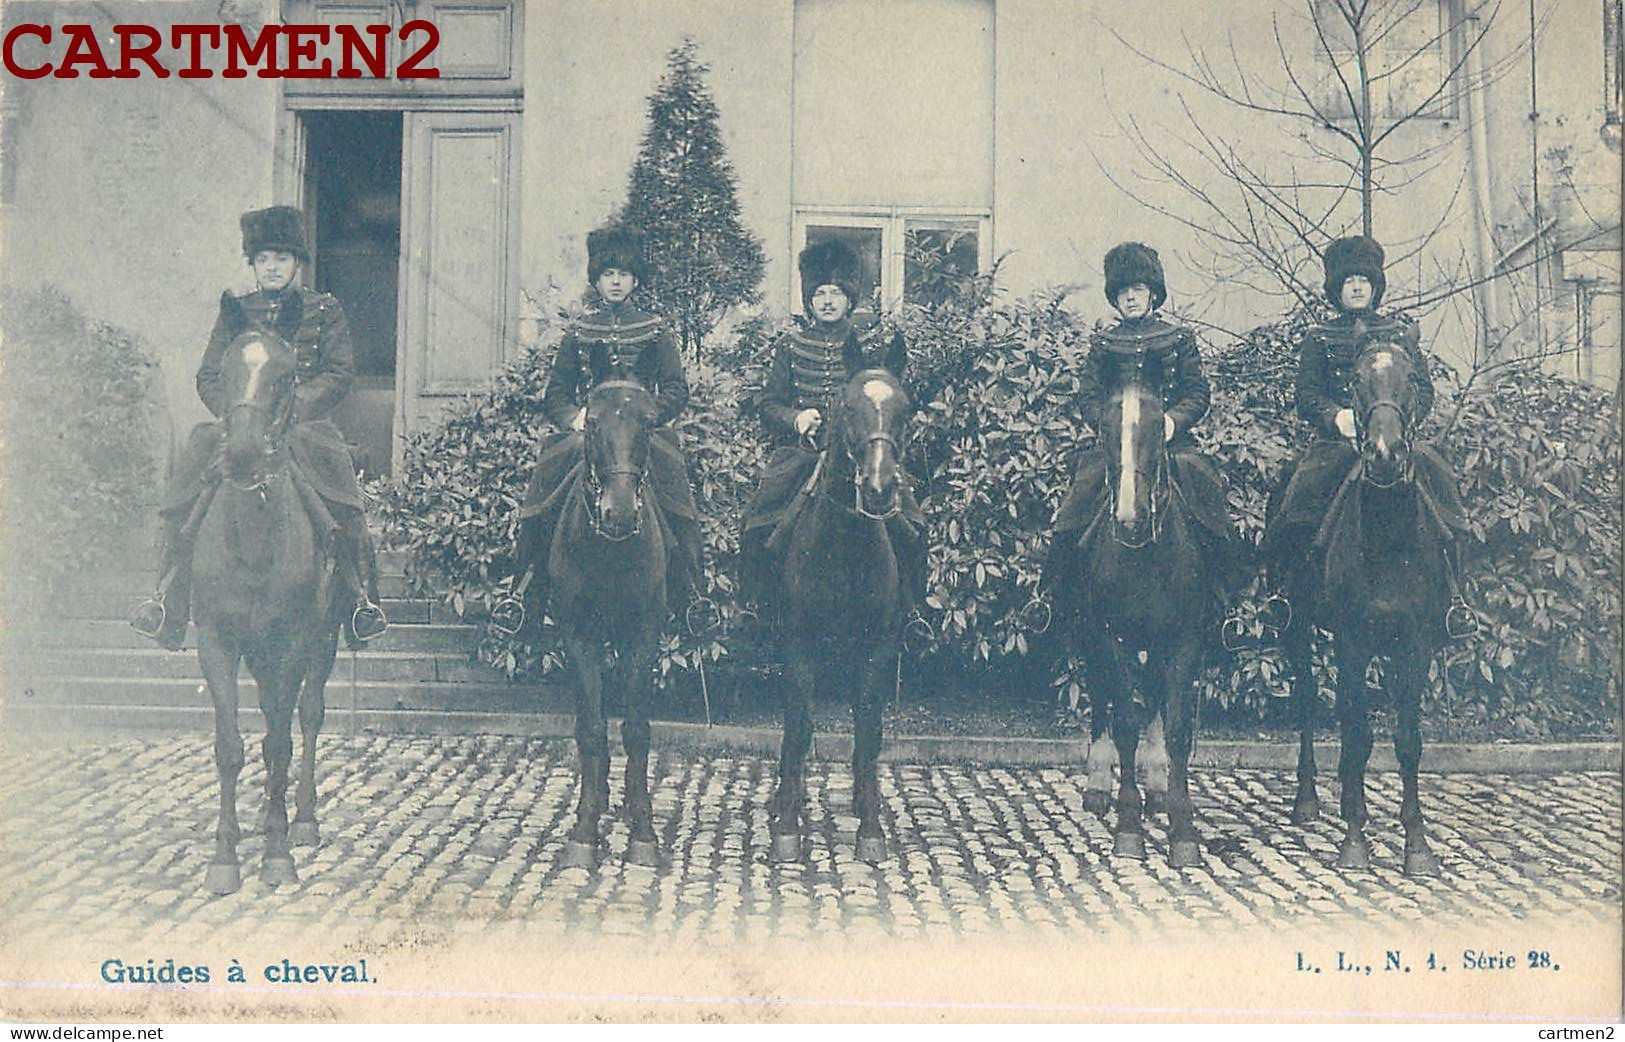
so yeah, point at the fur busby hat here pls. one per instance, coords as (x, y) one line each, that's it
(1130, 262)
(274, 228)
(616, 246)
(829, 263)
(1354, 255)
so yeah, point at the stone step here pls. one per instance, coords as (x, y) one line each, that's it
(176, 693)
(154, 662)
(115, 633)
(133, 584)
(106, 605)
(199, 719)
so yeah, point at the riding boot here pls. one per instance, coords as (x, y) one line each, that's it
(912, 573)
(367, 618)
(164, 615)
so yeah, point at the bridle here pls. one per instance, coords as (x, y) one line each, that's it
(279, 417)
(1158, 497)
(595, 481)
(880, 437)
(1362, 424)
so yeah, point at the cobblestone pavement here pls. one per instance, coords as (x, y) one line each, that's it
(468, 831)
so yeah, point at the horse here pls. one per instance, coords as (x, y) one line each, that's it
(1380, 584)
(607, 585)
(844, 600)
(1144, 590)
(264, 593)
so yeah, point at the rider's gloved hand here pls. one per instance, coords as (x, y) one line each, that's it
(1167, 428)
(580, 422)
(1345, 423)
(807, 421)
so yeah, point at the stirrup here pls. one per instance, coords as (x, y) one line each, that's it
(1460, 620)
(1276, 614)
(147, 621)
(507, 617)
(708, 613)
(368, 621)
(918, 633)
(1036, 615)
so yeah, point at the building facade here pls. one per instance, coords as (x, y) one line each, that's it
(448, 214)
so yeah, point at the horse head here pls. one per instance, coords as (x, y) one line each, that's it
(620, 416)
(1131, 432)
(870, 426)
(257, 373)
(1384, 393)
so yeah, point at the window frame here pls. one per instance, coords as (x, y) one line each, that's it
(893, 223)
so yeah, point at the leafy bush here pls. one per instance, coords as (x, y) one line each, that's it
(76, 437)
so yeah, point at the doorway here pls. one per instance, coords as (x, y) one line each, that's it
(353, 199)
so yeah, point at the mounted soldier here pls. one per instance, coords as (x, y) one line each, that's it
(811, 365)
(1143, 348)
(615, 340)
(1355, 283)
(313, 324)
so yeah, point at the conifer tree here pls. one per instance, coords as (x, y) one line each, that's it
(684, 194)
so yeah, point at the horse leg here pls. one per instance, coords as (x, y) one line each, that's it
(866, 710)
(1154, 757)
(1130, 833)
(220, 660)
(279, 693)
(1405, 683)
(786, 827)
(1299, 651)
(304, 831)
(1097, 792)
(637, 679)
(1354, 726)
(592, 751)
(1179, 708)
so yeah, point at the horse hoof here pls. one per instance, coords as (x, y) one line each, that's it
(1156, 802)
(1305, 811)
(1097, 802)
(1355, 854)
(872, 849)
(787, 847)
(1129, 844)
(304, 834)
(223, 879)
(1185, 853)
(1421, 862)
(278, 871)
(645, 852)
(579, 855)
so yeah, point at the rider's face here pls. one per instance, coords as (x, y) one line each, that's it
(1134, 301)
(274, 269)
(616, 284)
(829, 303)
(1356, 293)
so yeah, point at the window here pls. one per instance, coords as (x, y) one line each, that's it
(907, 254)
(1407, 45)
(893, 139)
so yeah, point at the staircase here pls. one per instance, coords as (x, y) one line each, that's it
(79, 663)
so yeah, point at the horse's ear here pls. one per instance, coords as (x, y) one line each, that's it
(897, 355)
(232, 315)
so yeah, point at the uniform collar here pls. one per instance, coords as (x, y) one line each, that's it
(828, 333)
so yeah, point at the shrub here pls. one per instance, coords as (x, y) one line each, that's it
(76, 431)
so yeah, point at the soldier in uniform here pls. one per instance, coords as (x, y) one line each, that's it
(314, 325)
(615, 340)
(811, 365)
(1162, 355)
(1354, 286)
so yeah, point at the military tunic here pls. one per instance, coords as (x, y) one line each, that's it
(612, 342)
(1325, 369)
(314, 325)
(1163, 356)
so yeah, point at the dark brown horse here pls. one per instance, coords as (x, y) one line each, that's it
(263, 593)
(1381, 587)
(607, 585)
(843, 600)
(1144, 596)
